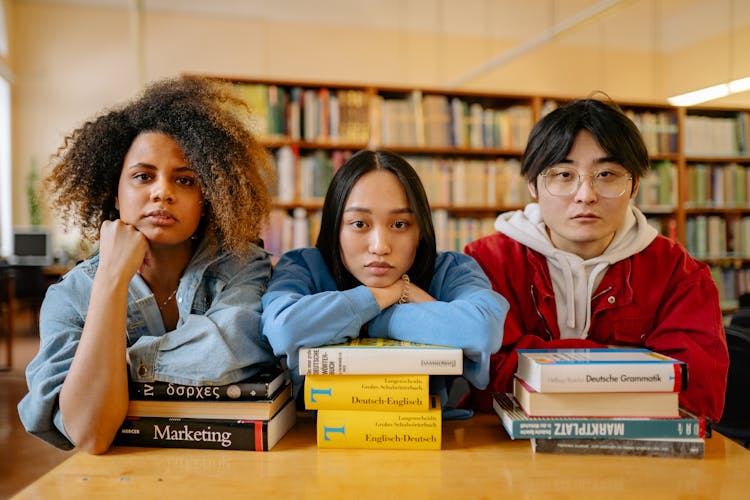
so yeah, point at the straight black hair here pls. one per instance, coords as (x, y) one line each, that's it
(361, 163)
(553, 136)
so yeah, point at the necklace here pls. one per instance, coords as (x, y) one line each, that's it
(171, 296)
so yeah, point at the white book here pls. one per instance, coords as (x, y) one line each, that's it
(600, 370)
(363, 356)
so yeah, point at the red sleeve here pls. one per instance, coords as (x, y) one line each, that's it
(523, 328)
(691, 330)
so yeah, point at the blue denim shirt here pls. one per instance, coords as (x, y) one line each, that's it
(217, 339)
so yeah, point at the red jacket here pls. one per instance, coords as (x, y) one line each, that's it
(660, 298)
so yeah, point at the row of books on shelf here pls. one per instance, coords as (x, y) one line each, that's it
(311, 115)
(731, 283)
(472, 183)
(666, 225)
(455, 182)
(657, 189)
(612, 401)
(717, 185)
(436, 120)
(451, 181)
(408, 118)
(411, 117)
(717, 236)
(658, 128)
(717, 135)
(299, 228)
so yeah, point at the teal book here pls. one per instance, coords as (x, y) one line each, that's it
(518, 425)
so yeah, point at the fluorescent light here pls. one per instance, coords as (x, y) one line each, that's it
(740, 85)
(700, 95)
(710, 93)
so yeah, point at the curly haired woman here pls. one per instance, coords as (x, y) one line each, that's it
(173, 186)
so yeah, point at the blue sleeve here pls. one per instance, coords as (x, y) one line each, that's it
(60, 325)
(302, 307)
(467, 313)
(220, 345)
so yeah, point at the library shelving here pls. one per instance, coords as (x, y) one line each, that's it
(467, 147)
(715, 197)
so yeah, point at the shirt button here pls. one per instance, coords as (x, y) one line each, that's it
(611, 299)
(179, 299)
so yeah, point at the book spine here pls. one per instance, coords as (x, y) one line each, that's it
(193, 433)
(367, 392)
(572, 428)
(165, 391)
(388, 361)
(604, 377)
(675, 448)
(381, 429)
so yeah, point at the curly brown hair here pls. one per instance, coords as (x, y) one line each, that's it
(208, 121)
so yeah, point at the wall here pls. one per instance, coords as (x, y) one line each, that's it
(71, 62)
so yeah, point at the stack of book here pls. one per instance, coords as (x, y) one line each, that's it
(374, 393)
(252, 414)
(616, 401)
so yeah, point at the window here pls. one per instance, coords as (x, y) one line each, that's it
(6, 191)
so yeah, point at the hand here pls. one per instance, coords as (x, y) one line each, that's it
(122, 250)
(419, 296)
(391, 294)
(387, 295)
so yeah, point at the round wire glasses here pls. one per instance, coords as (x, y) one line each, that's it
(607, 182)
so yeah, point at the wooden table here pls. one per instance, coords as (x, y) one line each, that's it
(478, 460)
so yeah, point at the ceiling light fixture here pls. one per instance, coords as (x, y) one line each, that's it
(710, 93)
(722, 89)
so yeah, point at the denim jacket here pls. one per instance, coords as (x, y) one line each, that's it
(217, 339)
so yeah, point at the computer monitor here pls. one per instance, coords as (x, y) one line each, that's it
(32, 247)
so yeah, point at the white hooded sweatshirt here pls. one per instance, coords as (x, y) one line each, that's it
(574, 279)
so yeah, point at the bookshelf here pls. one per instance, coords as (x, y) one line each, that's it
(715, 195)
(467, 148)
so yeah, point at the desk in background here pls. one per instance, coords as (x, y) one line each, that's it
(477, 460)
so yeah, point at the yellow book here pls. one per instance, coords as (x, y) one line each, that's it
(381, 430)
(367, 392)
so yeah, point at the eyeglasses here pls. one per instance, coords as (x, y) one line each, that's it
(565, 181)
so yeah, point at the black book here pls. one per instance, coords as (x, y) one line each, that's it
(212, 434)
(262, 385)
(255, 409)
(667, 447)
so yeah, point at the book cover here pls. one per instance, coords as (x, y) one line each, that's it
(595, 404)
(212, 434)
(261, 409)
(367, 392)
(600, 370)
(518, 425)
(262, 385)
(363, 356)
(381, 429)
(668, 447)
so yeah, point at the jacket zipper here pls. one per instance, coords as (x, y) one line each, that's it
(539, 313)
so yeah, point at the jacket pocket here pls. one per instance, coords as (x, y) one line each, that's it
(632, 330)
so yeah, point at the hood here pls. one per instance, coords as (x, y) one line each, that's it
(573, 278)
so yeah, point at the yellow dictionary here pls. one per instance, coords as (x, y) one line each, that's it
(367, 392)
(381, 430)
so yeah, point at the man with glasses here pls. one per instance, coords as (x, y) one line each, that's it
(581, 267)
